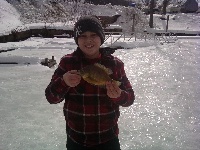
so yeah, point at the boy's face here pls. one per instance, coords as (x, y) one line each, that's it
(89, 43)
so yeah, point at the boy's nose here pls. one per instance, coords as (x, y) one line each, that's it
(89, 38)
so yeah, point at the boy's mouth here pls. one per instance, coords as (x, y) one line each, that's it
(89, 46)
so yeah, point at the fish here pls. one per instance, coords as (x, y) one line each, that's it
(97, 74)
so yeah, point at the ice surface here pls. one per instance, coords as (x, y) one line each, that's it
(165, 114)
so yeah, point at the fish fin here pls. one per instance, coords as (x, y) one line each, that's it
(117, 82)
(107, 70)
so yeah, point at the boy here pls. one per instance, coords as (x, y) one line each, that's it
(91, 111)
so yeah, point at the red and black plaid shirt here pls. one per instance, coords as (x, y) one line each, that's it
(91, 116)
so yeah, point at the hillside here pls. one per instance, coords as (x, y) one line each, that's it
(9, 17)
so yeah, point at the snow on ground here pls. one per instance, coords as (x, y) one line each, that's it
(165, 77)
(9, 17)
(164, 116)
(181, 21)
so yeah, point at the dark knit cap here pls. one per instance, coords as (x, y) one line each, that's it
(88, 23)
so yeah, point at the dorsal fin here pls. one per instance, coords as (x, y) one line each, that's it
(107, 70)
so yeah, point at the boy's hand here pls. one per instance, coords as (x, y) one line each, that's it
(72, 78)
(113, 90)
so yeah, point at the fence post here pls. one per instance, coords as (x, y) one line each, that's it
(133, 26)
(167, 23)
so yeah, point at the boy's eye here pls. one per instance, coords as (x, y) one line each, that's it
(82, 36)
(93, 35)
(88, 36)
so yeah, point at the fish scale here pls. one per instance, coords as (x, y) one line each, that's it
(97, 74)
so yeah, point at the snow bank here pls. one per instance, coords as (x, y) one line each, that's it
(9, 17)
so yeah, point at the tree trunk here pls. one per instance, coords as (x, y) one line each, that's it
(151, 14)
(164, 7)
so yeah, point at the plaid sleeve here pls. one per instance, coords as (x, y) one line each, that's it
(57, 89)
(127, 96)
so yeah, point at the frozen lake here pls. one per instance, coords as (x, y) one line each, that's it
(165, 78)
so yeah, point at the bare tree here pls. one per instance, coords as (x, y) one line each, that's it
(164, 6)
(151, 13)
(55, 12)
(29, 13)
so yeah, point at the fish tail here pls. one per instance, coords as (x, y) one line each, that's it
(117, 82)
